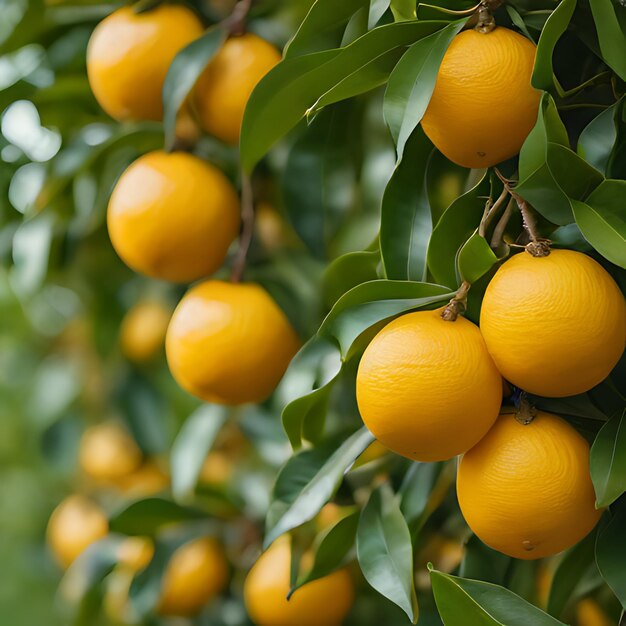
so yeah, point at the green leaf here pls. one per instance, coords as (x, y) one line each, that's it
(332, 550)
(608, 461)
(348, 271)
(601, 219)
(412, 81)
(611, 551)
(475, 258)
(518, 21)
(183, 73)
(285, 95)
(406, 222)
(403, 10)
(377, 9)
(385, 551)
(306, 385)
(324, 21)
(475, 603)
(570, 572)
(146, 517)
(454, 228)
(550, 173)
(611, 35)
(189, 450)
(321, 487)
(319, 180)
(416, 491)
(376, 301)
(597, 141)
(555, 26)
(484, 563)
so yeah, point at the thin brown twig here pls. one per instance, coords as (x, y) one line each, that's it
(236, 21)
(458, 304)
(247, 219)
(498, 232)
(493, 209)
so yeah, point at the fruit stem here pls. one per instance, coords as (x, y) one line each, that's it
(525, 412)
(538, 246)
(247, 219)
(491, 210)
(486, 22)
(236, 22)
(497, 238)
(458, 304)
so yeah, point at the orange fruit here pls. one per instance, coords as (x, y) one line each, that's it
(142, 334)
(323, 602)
(555, 325)
(229, 343)
(146, 480)
(73, 526)
(196, 573)
(134, 553)
(525, 490)
(483, 106)
(427, 388)
(129, 54)
(107, 452)
(590, 613)
(222, 91)
(218, 467)
(173, 216)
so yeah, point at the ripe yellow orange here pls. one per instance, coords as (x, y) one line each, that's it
(427, 388)
(107, 452)
(229, 343)
(146, 480)
(222, 91)
(173, 216)
(555, 325)
(196, 573)
(525, 490)
(483, 105)
(217, 468)
(129, 54)
(142, 334)
(134, 553)
(324, 601)
(73, 526)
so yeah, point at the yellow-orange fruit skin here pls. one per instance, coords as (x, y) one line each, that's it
(73, 526)
(555, 325)
(222, 91)
(196, 573)
(173, 216)
(229, 343)
(525, 490)
(142, 333)
(129, 54)
(427, 388)
(323, 602)
(483, 106)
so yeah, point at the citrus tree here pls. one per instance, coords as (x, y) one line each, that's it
(383, 245)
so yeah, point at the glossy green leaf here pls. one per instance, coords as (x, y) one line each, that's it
(285, 95)
(412, 82)
(321, 487)
(455, 226)
(348, 271)
(319, 180)
(146, 517)
(406, 222)
(377, 301)
(306, 385)
(555, 26)
(377, 9)
(518, 21)
(550, 173)
(191, 447)
(475, 258)
(602, 220)
(183, 73)
(475, 603)
(611, 34)
(324, 22)
(385, 551)
(611, 551)
(403, 9)
(597, 141)
(608, 461)
(416, 491)
(333, 549)
(484, 563)
(569, 574)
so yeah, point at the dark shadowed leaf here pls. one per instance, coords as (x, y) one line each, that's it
(597, 141)
(610, 34)
(611, 550)
(183, 74)
(483, 563)
(191, 447)
(608, 461)
(321, 487)
(416, 492)
(475, 603)
(385, 551)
